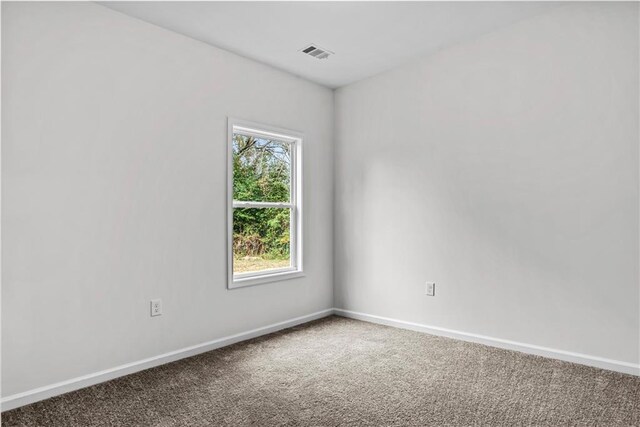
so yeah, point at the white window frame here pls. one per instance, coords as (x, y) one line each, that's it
(258, 130)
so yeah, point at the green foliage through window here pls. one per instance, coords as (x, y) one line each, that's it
(261, 173)
(261, 169)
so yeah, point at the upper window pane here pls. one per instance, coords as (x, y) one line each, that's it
(261, 169)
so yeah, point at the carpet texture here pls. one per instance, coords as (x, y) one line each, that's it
(342, 372)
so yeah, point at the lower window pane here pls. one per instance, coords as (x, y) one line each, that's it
(261, 239)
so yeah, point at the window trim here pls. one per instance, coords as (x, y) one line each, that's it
(260, 130)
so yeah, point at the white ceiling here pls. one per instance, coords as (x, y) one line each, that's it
(367, 37)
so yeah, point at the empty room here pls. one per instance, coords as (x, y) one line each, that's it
(366, 213)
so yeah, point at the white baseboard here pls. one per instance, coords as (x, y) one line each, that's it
(41, 393)
(567, 356)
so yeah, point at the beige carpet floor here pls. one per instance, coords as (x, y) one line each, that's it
(342, 372)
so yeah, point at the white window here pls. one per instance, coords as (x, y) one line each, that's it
(264, 204)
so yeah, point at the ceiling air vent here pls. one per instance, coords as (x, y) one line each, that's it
(316, 52)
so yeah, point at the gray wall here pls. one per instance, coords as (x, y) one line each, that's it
(113, 186)
(506, 170)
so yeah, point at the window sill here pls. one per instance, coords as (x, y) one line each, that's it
(264, 278)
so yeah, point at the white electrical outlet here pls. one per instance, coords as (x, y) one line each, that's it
(430, 289)
(156, 307)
